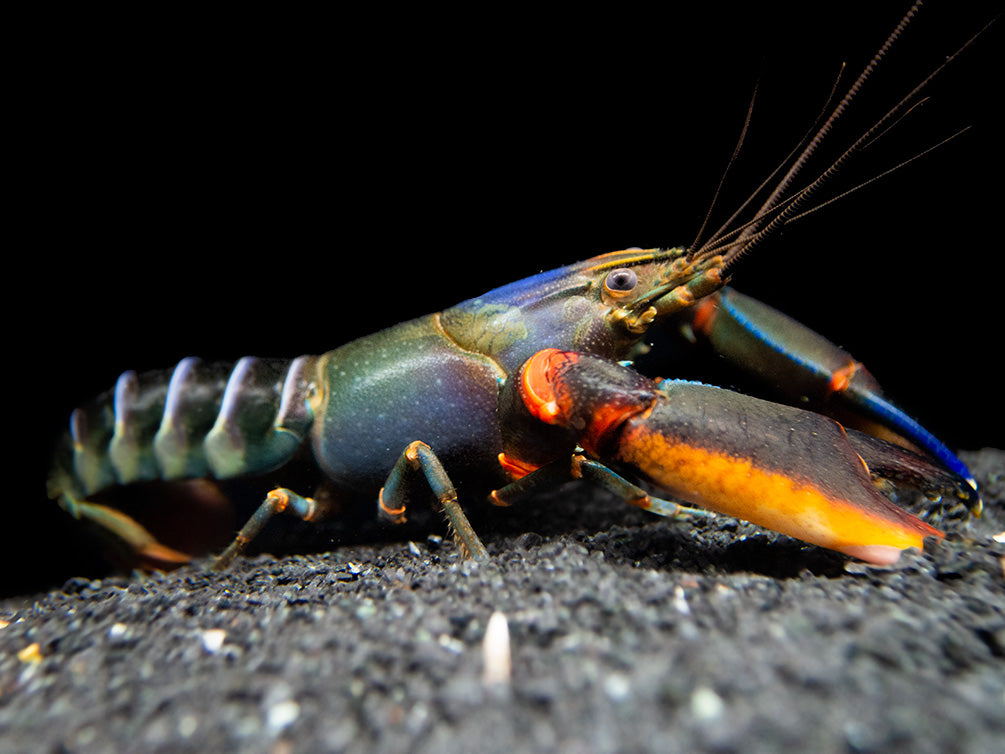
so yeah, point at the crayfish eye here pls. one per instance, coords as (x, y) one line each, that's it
(621, 282)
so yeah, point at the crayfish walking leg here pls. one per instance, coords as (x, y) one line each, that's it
(280, 500)
(581, 467)
(391, 504)
(391, 501)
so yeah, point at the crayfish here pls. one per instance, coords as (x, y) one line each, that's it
(526, 385)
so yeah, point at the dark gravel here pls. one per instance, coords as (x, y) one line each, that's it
(628, 634)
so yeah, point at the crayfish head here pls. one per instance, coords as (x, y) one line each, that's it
(641, 286)
(601, 305)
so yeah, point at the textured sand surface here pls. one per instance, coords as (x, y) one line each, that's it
(626, 634)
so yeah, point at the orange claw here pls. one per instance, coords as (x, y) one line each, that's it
(784, 468)
(866, 526)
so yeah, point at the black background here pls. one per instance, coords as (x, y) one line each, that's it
(276, 186)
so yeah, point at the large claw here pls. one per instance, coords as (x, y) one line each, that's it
(790, 470)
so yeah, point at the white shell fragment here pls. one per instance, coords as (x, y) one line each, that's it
(496, 651)
(212, 640)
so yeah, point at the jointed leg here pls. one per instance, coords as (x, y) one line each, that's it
(419, 457)
(280, 500)
(599, 474)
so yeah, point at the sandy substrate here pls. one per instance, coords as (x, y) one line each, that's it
(626, 634)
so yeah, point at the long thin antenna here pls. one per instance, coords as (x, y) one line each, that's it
(724, 228)
(800, 197)
(725, 172)
(878, 176)
(840, 109)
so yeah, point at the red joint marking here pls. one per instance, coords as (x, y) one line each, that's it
(841, 378)
(516, 468)
(282, 499)
(704, 315)
(538, 383)
(644, 502)
(412, 452)
(393, 512)
(496, 500)
(313, 510)
(607, 420)
(576, 469)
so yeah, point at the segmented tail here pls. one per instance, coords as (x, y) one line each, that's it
(194, 421)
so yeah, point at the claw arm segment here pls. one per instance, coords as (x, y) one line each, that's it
(800, 364)
(391, 501)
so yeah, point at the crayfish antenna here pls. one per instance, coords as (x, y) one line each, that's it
(722, 181)
(782, 207)
(699, 248)
(791, 211)
(751, 238)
